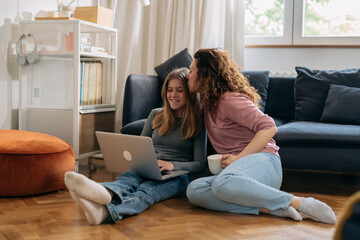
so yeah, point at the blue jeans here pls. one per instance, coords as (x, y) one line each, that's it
(132, 194)
(245, 186)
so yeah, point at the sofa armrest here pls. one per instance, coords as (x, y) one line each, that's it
(133, 128)
(142, 94)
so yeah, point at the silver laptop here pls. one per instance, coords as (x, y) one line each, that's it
(124, 152)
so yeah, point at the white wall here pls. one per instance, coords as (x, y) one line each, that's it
(11, 12)
(284, 60)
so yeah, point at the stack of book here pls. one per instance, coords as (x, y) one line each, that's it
(91, 82)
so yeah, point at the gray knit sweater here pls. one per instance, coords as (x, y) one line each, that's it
(184, 154)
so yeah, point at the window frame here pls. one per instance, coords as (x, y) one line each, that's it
(294, 11)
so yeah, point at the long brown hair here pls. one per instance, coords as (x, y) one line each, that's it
(217, 74)
(164, 121)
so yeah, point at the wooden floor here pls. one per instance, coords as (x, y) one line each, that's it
(56, 216)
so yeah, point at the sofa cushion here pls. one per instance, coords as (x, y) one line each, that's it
(181, 59)
(315, 132)
(260, 81)
(312, 86)
(342, 105)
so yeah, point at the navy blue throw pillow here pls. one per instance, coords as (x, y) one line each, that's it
(342, 105)
(260, 81)
(312, 86)
(179, 60)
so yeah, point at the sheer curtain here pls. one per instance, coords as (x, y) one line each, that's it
(150, 35)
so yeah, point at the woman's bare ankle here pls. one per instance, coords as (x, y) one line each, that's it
(295, 202)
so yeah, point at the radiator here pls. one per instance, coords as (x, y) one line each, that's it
(282, 74)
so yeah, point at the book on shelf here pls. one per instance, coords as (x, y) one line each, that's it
(91, 82)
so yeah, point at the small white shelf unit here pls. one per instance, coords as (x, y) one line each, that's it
(50, 89)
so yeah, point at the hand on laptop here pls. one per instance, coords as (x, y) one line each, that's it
(165, 165)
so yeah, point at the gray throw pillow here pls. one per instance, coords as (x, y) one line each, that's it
(312, 86)
(179, 60)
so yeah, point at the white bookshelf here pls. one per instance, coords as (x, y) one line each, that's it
(50, 90)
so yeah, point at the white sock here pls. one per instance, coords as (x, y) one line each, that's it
(318, 210)
(95, 213)
(86, 188)
(289, 212)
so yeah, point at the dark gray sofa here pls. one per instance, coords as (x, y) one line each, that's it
(304, 145)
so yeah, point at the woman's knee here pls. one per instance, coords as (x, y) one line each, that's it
(219, 185)
(196, 190)
(190, 192)
(224, 185)
(192, 188)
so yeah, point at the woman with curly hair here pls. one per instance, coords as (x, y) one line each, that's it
(242, 133)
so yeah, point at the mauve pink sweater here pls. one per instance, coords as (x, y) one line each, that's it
(237, 121)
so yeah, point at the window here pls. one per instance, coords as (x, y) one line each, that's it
(268, 22)
(264, 18)
(302, 22)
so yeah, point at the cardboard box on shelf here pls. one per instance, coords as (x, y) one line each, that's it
(95, 14)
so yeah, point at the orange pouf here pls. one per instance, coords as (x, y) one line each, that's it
(33, 163)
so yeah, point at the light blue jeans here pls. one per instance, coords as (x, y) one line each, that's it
(132, 194)
(245, 186)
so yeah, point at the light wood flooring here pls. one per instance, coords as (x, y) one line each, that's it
(56, 216)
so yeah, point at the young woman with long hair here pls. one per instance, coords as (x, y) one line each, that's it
(178, 136)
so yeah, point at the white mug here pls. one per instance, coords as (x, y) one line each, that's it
(214, 163)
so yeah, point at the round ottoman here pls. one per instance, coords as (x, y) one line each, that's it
(33, 163)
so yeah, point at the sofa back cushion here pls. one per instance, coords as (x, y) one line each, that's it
(280, 98)
(312, 86)
(260, 81)
(140, 97)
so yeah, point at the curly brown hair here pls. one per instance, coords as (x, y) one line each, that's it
(217, 74)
